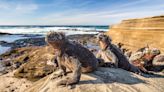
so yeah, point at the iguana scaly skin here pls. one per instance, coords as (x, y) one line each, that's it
(110, 50)
(71, 56)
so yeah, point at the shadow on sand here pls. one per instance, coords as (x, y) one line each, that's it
(112, 75)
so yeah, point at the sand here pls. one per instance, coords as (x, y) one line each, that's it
(10, 84)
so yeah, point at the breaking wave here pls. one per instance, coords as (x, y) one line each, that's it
(43, 30)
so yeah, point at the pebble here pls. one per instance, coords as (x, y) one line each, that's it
(71, 86)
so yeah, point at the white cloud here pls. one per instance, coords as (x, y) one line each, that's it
(26, 8)
(102, 17)
(16, 8)
(107, 15)
(3, 7)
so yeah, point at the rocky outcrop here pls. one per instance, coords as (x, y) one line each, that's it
(33, 63)
(103, 80)
(137, 33)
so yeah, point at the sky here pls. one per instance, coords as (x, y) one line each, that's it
(76, 12)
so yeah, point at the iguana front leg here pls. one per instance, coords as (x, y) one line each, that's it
(76, 74)
(61, 71)
(107, 59)
(114, 58)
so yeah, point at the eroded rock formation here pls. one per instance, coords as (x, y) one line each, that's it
(137, 33)
(33, 63)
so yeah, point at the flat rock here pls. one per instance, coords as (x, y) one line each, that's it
(104, 80)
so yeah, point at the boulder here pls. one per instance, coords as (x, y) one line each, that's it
(159, 60)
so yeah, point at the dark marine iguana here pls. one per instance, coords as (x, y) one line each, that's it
(72, 56)
(110, 53)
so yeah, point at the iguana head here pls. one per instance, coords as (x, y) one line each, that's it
(103, 37)
(55, 39)
(103, 40)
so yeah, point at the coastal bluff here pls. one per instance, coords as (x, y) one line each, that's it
(137, 33)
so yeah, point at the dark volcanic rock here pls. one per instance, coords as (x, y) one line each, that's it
(6, 44)
(31, 62)
(29, 42)
(4, 33)
(3, 42)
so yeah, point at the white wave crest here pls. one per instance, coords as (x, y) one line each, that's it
(44, 30)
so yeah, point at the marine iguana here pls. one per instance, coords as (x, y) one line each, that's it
(72, 56)
(110, 53)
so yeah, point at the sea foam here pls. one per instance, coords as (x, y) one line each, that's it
(44, 30)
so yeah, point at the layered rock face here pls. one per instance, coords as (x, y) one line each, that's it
(137, 33)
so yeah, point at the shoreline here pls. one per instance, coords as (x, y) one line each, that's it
(10, 41)
(26, 40)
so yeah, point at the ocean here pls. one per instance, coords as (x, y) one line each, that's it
(69, 30)
(42, 30)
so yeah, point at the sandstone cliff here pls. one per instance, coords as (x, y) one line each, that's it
(136, 33)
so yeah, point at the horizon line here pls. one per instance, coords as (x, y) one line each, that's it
(52, 25)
